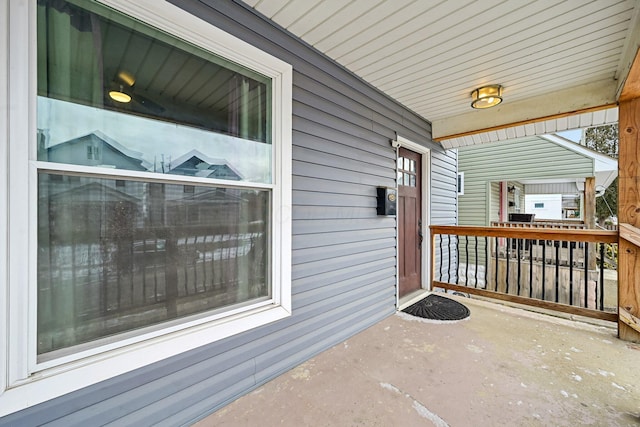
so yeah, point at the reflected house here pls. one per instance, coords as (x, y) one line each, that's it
(112, 212)
(95, 149)
(197, 204)
(198, 208)
(192, 203)
(98, 149)
(194, 163)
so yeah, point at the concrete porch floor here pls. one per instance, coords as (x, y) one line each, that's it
(502, 366)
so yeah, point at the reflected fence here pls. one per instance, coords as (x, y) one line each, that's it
(89, 289)
(567, 270)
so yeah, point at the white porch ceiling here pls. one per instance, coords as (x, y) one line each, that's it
(552, 57)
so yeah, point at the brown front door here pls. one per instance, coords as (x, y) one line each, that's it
(409, 221)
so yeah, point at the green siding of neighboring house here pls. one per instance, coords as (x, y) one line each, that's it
(494, 205)
(485, 165)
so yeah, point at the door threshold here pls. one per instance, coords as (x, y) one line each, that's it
(412, 298)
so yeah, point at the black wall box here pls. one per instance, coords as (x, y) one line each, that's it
(386, 201)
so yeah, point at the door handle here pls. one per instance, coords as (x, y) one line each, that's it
(420, 237)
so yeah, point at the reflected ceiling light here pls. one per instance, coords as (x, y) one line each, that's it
(127, 78)
(486, 96)
(120, 95)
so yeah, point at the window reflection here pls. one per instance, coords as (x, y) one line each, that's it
(179, 98)
(117, 255)
(146, 145)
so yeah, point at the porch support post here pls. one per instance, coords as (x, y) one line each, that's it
(629, 220)
(629, 206)
(590, 203)
(590, 215)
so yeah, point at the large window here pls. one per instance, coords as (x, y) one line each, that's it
(111, 259)
(159, 189)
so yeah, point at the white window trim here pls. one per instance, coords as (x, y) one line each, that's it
(22, 386)
(4, 196)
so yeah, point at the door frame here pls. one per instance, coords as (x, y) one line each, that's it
(425, 197)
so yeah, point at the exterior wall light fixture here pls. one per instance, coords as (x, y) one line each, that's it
(486, 96)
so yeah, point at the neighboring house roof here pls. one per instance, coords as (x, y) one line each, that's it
(605, 167)
(194, 163)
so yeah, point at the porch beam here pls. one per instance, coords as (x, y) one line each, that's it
(631, 89)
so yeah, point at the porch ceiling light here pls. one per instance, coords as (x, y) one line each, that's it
(120, 95)
(486, 96)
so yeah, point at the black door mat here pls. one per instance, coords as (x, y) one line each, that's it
(435, 307)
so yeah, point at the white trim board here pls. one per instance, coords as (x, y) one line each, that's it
(425, 152)
(4, 179)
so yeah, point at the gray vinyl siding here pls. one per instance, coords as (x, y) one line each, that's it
(444, 184)
(521, 159)
(343, 256)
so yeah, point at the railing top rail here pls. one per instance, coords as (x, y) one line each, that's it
(563, 225)
(568, 221)
(578, 235)
(630, 233)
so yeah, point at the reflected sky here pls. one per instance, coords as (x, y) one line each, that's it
(153, 139)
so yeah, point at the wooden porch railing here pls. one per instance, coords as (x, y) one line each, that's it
(631, 235)
(556, 269)
(572, 225)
